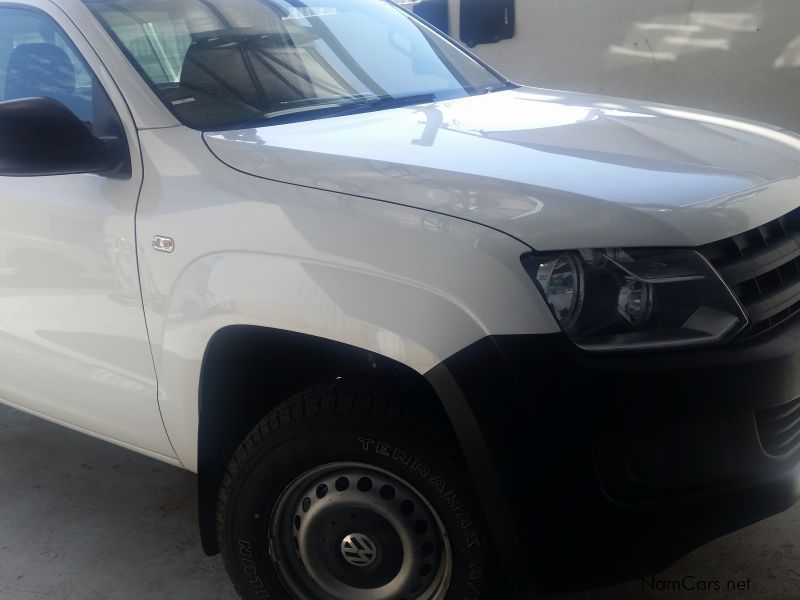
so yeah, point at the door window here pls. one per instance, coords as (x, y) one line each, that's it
(37, 59)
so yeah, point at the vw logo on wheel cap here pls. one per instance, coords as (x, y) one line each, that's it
(359, 550)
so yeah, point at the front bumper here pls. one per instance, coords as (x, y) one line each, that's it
(612, 467)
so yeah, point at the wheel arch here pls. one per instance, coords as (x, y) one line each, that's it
(233, 363)
(234, 394)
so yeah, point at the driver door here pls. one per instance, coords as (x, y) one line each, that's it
(73, 342)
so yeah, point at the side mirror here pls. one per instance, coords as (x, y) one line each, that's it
(41, 136)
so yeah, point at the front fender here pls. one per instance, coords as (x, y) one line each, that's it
(408, 322)
(411, 285)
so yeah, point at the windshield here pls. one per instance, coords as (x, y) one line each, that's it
(223, 64)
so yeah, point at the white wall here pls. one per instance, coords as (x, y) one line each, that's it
(740, 57)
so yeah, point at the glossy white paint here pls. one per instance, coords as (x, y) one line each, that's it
(399, 232)
(408, 284)
(555, 170)
(73, 341)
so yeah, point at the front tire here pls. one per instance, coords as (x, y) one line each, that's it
(339, 494)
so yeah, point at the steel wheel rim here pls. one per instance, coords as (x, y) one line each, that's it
(352, 531)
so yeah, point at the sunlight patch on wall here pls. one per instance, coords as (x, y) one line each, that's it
(667, 37)
(790, 56)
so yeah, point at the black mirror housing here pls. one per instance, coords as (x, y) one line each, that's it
(41, 136)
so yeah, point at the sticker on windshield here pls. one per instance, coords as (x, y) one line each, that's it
(308, 12)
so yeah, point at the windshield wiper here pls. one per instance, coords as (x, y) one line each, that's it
(334, 109)
(507, 85)
(383, 103)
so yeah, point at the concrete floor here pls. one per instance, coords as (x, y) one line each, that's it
(84, 520)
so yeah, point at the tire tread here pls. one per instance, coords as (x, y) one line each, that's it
(358, 398)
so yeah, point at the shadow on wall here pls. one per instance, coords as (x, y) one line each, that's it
(740, 57)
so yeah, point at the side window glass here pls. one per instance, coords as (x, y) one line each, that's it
(37, 59)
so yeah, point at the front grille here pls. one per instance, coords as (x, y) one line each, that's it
(762, 267)
(779, 428)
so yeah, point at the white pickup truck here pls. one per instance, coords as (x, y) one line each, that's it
(422, 333)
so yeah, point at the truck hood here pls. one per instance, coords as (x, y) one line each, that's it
(555, 170)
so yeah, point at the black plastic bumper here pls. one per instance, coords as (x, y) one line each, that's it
(599, 469)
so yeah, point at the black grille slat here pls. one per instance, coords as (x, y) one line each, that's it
(758, 263)
(773, 303)
(785, 443)
(779, 428)
(782, 427)
(762, 267)
(779, 413)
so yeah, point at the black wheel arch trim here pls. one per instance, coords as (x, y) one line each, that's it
(458, 399)
(481, 467)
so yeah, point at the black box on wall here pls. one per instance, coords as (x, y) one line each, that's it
(486, 21)
(435, 12)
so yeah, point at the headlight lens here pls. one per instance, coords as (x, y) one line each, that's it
(608, 300)
(561, 279)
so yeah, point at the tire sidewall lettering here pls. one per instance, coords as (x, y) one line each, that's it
(287, 454)
(421, 470)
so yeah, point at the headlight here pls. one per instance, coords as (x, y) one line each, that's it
(609, 300)
(562, 282)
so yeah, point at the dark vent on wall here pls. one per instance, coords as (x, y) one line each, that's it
(435, 12)
(486, 21)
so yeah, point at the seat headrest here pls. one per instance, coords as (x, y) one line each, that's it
(39, 69)
(237, 70)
